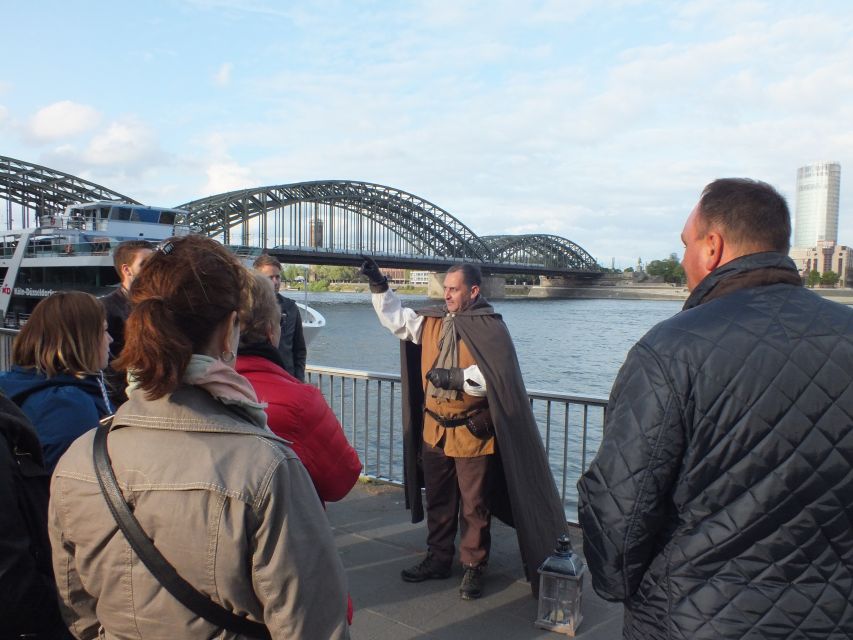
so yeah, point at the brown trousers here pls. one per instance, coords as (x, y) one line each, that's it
(455, 497)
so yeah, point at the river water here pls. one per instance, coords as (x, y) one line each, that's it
(564, 346)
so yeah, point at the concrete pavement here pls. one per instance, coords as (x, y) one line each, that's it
(377, 540)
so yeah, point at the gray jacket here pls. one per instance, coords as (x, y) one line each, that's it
(226, 502)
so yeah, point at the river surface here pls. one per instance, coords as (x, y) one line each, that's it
(564, 346)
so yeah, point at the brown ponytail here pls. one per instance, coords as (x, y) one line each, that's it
(184, 291)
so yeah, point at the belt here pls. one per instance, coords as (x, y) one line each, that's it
(451, 423)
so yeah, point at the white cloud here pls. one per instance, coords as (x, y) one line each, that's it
(226, 176)
(128, 143)
(62, 120)
(222, 78)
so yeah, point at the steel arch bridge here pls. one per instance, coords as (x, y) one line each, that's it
(48, 191)
(541, 250)
(321, 222)
(341, 216)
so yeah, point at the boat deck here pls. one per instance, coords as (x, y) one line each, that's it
(376, 540)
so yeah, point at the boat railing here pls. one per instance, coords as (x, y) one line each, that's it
(368, 406)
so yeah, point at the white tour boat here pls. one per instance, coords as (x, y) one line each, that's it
(74, 251)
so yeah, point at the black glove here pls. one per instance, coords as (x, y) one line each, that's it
(446, 378)
(378, 281)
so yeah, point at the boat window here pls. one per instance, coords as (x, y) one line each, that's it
(121, 213)
(145, 215)
(167, 217)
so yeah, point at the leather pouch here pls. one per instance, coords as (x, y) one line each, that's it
(481, 425)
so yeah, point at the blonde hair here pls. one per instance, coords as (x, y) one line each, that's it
(264, 311)
(63, 335)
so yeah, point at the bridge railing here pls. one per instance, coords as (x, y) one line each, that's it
(368, 406)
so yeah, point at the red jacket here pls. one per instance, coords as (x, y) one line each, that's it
(298, 412)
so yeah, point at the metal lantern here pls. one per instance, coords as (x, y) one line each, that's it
(560, 582)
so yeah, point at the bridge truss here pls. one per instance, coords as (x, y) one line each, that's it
(320, 222)
(338, 216)
(47, 191)
(551, 253)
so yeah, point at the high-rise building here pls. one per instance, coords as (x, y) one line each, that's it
(818, 188)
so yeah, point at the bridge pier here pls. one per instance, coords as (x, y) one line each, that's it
(493, 287)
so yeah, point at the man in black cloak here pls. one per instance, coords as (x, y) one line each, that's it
(469, 434)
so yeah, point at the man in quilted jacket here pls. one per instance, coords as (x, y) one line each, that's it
(720, 504)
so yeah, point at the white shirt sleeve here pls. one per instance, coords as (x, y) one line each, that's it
(474, 384)
(402, 321)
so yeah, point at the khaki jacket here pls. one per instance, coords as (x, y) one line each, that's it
(226, 502)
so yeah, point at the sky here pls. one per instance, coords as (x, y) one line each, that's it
(596, 120)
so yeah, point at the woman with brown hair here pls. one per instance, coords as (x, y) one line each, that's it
(56, 378)
(224, 500)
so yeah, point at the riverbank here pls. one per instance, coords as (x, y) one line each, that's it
(595, 292)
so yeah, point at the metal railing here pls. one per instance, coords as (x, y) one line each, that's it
(368, 406)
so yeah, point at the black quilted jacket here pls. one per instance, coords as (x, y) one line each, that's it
(720, 504)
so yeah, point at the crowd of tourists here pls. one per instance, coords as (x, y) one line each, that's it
(164, 466)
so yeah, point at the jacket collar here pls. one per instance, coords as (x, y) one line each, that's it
(188, 408)
(263, 350)
(755, 269)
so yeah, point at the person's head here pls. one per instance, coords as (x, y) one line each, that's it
(461, 286)
(187, 299)
(733, 218)
(66, 333)
(270, 267)
(262, 321)
(128, 258)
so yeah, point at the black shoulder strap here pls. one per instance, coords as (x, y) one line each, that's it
(159, 567)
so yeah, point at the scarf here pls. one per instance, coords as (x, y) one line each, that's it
(224, 384)
(448, 357)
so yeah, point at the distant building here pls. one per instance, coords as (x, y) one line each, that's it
(818, 189)
(419, 278)
(395, 276)
(827, 256)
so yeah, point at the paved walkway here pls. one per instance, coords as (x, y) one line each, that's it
(376, 540)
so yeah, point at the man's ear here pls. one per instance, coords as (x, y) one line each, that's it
(125, 271)
(713, 245)
(475, 291)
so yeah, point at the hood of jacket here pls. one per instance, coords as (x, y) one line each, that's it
(20, 382)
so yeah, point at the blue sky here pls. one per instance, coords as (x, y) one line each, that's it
(599, 121)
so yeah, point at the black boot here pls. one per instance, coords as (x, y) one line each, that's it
(472, 583)
(428, 569)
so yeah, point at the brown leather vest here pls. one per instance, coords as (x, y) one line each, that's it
(457, 442)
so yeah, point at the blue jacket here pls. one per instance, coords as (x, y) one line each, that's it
(61, 408)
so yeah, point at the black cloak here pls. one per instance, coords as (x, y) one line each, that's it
(524, 494)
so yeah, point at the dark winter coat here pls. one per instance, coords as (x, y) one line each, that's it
(292, 347)
(28, 599)
(525, 495)
(61, 408)
(720, 504)
(117, 306)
